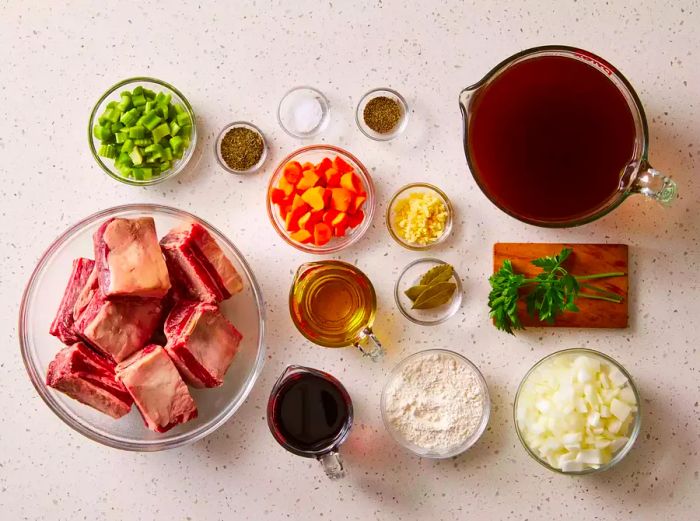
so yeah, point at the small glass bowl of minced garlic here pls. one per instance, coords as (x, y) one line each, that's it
(419, 216)
(382, 114)
(240, 148)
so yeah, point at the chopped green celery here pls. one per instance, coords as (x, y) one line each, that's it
(136, 156)
(143, 174)
(160, 132)
(125, 102)
(152, 120)
(123, 159)
(186, 131)
(111, 105)
(164, 111)
(163, 98)
(112, 114)
(165, 165)
(153, 149)
(149, 94)
(102, 120)
(149, 106)
(177, 154)
(130, 117)
(143, 142)
(179, 108)
(167, 153)
(108, 151)
(138, 99)
(120, 138)
(183, 119)
(177, 143)
(128, 146)
(101, 132)
(137, 132)
(174, 128)
(137, 90)
(116, 127)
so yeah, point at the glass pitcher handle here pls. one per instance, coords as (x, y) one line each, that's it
(332, 464)
(655, 185)
(370, 345)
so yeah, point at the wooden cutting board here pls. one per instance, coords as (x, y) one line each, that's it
(586, 259)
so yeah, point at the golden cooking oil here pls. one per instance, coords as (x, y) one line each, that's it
(332, 302)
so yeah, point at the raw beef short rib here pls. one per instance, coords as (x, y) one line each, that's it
(62, 325)
(198, 265)
(157, 389)
(201, 342)
(87, 377)
(116, 327)
(128, 259)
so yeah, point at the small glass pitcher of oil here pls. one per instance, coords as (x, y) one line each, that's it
(333, 304)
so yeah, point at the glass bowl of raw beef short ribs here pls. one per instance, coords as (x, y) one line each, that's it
(169, 157)
(189, 325)
(320, 199)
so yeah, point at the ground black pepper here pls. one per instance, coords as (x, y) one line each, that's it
(382, 114)
(241, 148)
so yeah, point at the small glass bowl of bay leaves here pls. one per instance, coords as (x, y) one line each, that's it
(428, 291)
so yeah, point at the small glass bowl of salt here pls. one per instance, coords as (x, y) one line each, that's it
(304, 112)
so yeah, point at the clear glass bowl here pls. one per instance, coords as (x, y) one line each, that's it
(112, 94)
(369, 96)
(286, 111)
(43, 295)
(634, 430)
(405, 191)
(457, 449)
(314, 154)
(217, 148)
(410, 276)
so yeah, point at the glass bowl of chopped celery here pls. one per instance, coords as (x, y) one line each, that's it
(142, 131)
(419, 216)
(577, 411)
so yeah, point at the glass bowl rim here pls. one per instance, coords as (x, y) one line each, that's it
(448, 225)
(325, 118)
(400, 127)
(369, 207)
(169, 173)
(471, 440)
(636, 427)
(38, 381)
(457, 294)
(217, 147)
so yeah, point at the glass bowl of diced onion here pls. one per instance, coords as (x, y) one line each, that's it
(157, 165)
(587, 367)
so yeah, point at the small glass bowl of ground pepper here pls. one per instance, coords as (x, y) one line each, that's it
(241, 148)
(382, 114)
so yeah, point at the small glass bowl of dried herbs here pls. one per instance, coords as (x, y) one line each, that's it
(428, 292)
(382, 114)
(241, 148)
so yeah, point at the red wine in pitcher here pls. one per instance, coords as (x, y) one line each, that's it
(309, 413)
(549, 139)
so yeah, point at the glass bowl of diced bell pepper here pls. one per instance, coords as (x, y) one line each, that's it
(142, 131)
(321, 199)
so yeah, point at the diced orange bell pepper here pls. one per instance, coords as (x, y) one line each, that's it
(351, 182)
(340, 199)
(341, 165)
(304, 220)
(314, 197)
(324, 165)
(333, 178)
(292, 172)
(340, 220)
(299, 208)
(356, 218)
(277, 196)
(297, 202)
(285, 186)
(322, 234)
(357, 203)
(309, 178)
(302, 236)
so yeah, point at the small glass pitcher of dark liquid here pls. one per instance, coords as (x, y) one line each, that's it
(310, 414)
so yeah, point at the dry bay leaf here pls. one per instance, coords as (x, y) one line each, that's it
(435, 295)
(436, 274)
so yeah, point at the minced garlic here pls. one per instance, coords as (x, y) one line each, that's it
(420, 218)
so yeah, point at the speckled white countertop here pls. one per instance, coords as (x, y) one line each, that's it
(234, 62)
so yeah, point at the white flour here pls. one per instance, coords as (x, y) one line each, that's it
(435, 402)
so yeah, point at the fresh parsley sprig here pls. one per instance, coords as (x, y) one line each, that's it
(546, 296)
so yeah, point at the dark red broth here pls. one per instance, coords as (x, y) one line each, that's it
(549, 138)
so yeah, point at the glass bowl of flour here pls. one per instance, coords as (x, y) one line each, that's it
(435, 404)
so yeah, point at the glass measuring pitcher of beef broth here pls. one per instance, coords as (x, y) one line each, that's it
(555, 136)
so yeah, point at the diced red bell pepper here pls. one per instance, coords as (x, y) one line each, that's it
(356, 218)
(323, 166)
(277, 196)
(322, 234)
(341, 165)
